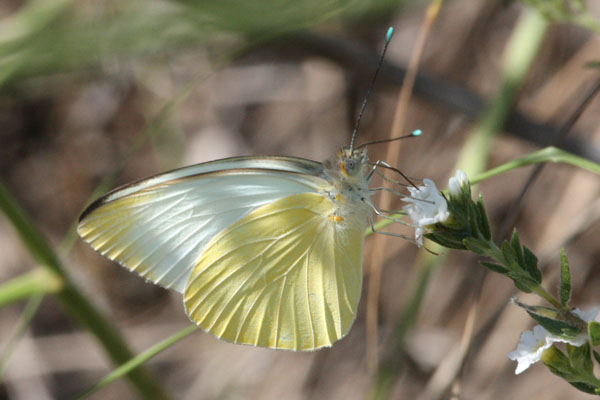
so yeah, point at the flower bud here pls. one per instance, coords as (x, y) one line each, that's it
(457, 182)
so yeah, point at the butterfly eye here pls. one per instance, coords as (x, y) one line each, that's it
(350, 165)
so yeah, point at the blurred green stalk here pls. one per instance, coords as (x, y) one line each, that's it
(29, 284)
(19, 331)
(519, 55)
(548, 154)
(74, 302)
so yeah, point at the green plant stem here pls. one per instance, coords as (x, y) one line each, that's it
(19, 331)
(540, 291)
(38, 281)
(548, 154)
(138, 360)
(75, 303)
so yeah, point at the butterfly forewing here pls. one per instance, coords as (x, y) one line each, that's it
(287, 275)
(158, 227)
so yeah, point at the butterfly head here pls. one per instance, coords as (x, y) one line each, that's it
(348, 168)
(352, 162)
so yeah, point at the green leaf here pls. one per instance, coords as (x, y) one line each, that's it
(596, 356)
(517, 250)
(558, 364)
(551, 319)
(472, 215)
(585, 387)
(531, 265)
(594, 332)
(483, 219)
(565, 279)
(494, 267)
(445, 239)
(509, 256)
(522, 286)
(561, 365)
(580, 358)
(555, 326)
(475, 245)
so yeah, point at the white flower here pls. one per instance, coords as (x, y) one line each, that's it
(533, 343)
(427, 207)
(456, 182)
(530, 348)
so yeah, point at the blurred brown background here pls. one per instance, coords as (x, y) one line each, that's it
(129, 90)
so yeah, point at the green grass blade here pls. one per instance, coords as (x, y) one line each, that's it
(519, 55)
(549, 154)
(33, 283)
(138, 360)
(21, 327)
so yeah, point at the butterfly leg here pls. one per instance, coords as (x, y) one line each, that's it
(380, 213)
(383, 164)
(389, 233)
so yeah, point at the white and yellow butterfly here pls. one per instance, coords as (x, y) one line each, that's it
(266, 251)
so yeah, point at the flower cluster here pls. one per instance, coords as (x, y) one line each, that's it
(427, 208)
(533, 343)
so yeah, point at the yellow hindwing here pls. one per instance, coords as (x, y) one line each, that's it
(286, 276)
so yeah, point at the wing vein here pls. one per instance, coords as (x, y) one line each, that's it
(225, 254)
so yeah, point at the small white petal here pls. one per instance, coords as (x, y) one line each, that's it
(428, 205)
(588, 315)
(461, 176)
(530, 348)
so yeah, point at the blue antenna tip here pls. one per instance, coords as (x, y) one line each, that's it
(389, 34)
(417, 132)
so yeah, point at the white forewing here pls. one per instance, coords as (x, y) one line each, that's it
(278, 163)
(158, 227)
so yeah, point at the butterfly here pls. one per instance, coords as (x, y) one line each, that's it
(266, 251)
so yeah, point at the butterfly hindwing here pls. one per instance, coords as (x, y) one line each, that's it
(287, 275)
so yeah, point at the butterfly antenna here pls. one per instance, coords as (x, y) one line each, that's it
(415, 133)
(388, 37)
